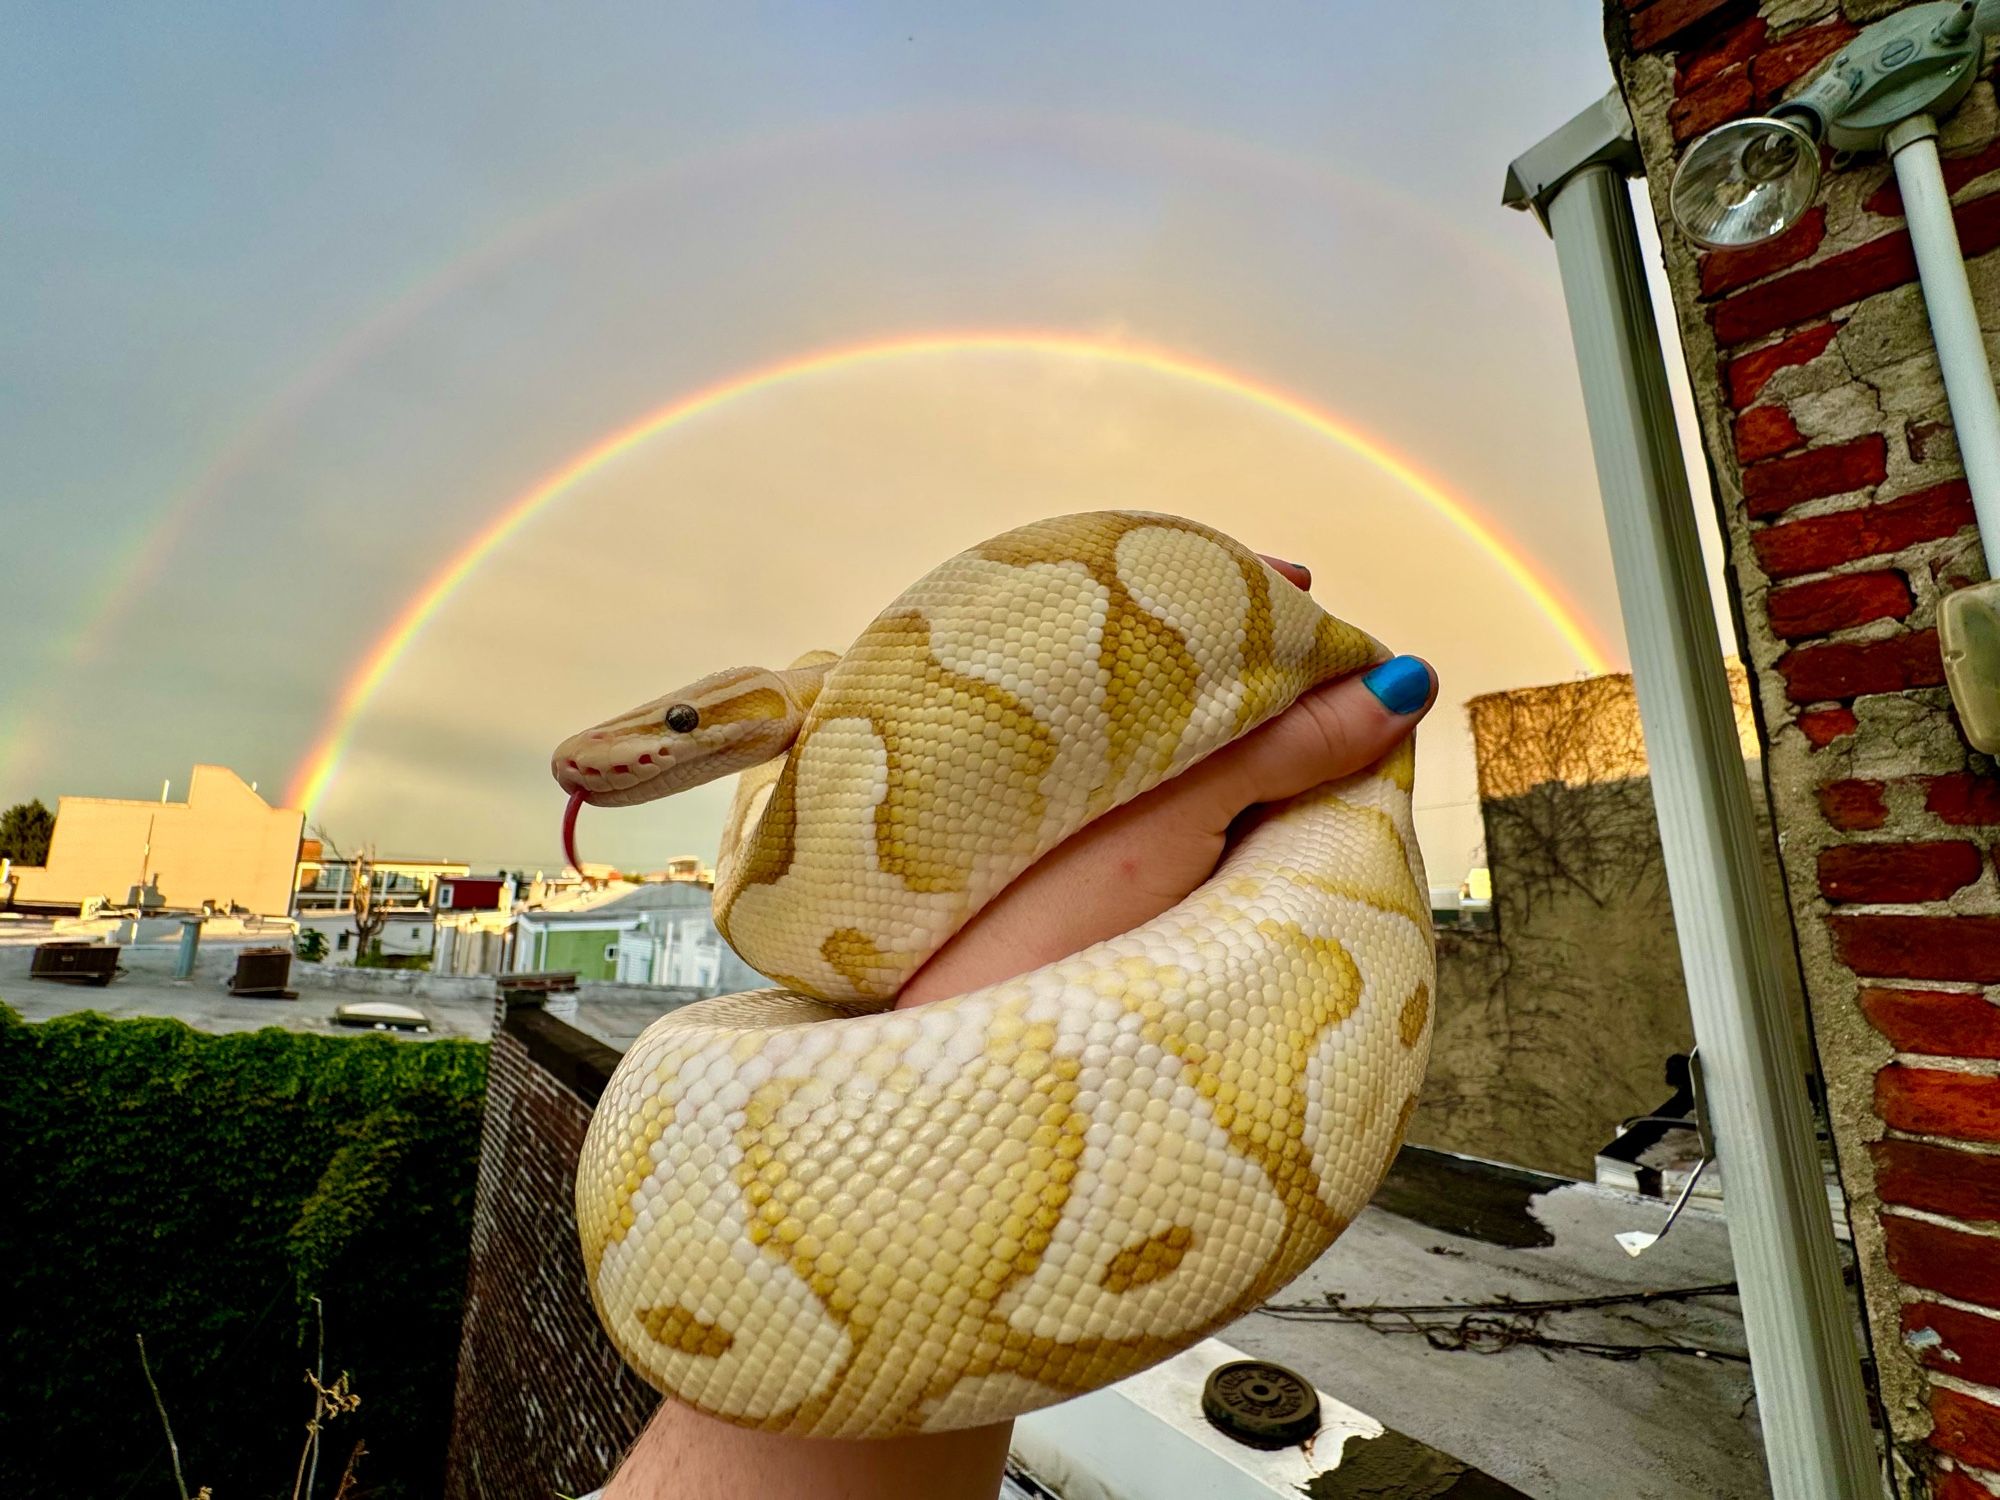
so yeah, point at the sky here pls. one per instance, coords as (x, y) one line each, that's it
(302, 301)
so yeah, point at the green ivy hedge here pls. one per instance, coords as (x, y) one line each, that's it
(201, 1190)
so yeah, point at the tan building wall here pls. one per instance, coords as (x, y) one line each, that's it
(1580, 733)
(224, 844)
(1556, 1025)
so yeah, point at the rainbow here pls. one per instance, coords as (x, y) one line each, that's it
(149, 548)
(315, 771)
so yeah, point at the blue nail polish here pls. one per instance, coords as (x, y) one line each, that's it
(1402, 683)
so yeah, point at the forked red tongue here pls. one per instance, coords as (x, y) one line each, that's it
(569, 831)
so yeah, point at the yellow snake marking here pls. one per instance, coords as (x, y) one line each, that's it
(853, 954)
(768, 854)
(1400, 766)
(1148, 1260)
(1403, 1122)
(678, 1328)
(982, 1229)
(1045, 653)
(1372, 814)
(1149, 676)
(756, 703)
(1337, 649)
(805, 1219)
(1181, 578)
(838, 776)
(754, 790)
(1415, 1017)
(1265, 683)
(1263, 1117)
(942, 739)
(764, 859)
(952, 712)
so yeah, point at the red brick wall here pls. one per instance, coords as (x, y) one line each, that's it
(1846, 517)
(544, 1405)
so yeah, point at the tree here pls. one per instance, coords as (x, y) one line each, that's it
(25, 830)
(369, 915)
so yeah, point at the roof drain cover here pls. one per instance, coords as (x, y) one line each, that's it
(1261, 1405)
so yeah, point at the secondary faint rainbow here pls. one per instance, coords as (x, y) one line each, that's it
(133, 567)
(316, 770)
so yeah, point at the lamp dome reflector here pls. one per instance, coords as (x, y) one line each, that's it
(1745, 182)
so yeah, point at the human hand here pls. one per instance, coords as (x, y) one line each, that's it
(1144, 857)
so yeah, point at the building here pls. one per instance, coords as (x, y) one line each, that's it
(1560, 993)
(405, 934)
(473, 942)
(225, 848)
(326, 882)
(473, 892)
(405, 891)
(1846, 519)
(658, 933)
(653, 929)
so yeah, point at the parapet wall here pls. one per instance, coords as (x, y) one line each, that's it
(544, 1405)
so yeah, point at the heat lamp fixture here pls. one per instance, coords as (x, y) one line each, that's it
(1750, 180)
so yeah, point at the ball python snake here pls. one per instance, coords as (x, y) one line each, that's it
(805, 1212)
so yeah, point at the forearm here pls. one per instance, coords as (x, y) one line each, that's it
(1118, 873)
(685, 1455)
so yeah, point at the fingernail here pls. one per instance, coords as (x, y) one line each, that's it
(1303, 569)
(1401, 684)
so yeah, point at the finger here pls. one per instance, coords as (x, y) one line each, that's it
(1298, 573)
(1331, 732)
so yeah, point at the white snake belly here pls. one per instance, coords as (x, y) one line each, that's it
(802, 1215)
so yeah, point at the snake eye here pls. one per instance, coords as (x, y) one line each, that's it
(683, 717)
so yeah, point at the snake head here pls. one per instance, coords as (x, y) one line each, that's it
(725, 723)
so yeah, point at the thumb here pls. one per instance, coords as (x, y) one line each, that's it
(1333, 731)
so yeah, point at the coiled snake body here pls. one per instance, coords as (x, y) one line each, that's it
(803, 1212)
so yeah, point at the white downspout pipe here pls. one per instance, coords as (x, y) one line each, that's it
(1968, 619)
(1797, 1316)
(1961, 348)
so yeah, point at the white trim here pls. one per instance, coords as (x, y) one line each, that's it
(1146, 1438)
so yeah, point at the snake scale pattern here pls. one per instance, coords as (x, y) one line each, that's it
(806, 1212)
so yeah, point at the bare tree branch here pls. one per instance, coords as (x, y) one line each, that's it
(173, 1448)
(370, 916)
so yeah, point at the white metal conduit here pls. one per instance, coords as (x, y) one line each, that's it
(1968, 618)
(1961, 347)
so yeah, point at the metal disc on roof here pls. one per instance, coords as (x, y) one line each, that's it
(1259, 1404)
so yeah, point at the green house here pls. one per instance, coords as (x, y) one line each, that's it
(658, 934)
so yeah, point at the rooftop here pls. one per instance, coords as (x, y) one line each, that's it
(1489, 1312)
(614, 1014)
(1480, 1309)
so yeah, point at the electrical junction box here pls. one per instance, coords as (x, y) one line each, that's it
(1969, 633)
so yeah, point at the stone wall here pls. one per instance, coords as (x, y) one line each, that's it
(1846, 516)
(544, 1405)
(1556, 1025)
